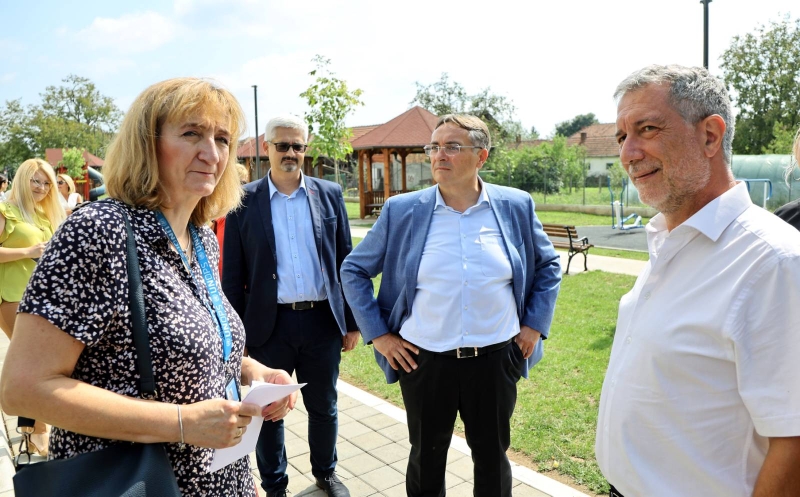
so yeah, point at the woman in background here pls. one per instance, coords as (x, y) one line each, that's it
(28, 218)
(69, 197)
(3, 186)
(791, 211)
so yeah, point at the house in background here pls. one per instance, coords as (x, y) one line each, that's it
(602, 150)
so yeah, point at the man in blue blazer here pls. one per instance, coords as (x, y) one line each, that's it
(467, 294)
(280, 271)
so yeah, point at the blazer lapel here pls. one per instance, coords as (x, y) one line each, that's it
(265, 211)
(314, 207)
(502, 211)
(421, 214)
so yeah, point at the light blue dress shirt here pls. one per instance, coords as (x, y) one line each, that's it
(299, 271)
(464, 295)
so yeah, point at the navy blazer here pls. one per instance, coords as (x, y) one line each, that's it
(250, 262)
(394, 247)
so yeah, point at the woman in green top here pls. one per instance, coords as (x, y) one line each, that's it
(28, 217)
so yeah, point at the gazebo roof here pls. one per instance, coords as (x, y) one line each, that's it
(412, 128)
(53, 157)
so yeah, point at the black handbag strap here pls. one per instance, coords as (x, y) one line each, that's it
(141, 340)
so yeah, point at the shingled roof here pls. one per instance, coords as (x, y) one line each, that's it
(412, 128)
(600, 140)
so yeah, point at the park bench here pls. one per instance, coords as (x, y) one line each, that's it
(563, 236)
(373, 209)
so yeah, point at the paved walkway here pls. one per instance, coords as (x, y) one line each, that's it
(373, 438)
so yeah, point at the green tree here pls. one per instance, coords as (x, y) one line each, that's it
(782, 141)
(72, 159)
(763, 70)
(547, 167)
(15, 144)
(72, 115)
(330, 101)
(577, 123)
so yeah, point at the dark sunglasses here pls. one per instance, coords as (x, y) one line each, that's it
(284, 147)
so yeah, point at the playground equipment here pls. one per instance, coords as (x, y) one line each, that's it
(767, 188)
(618, 218)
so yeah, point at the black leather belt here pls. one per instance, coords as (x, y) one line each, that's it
(464, 352)
(302, 306)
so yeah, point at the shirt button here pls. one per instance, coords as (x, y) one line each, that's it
(291, 236)
(647, 296)
(465, 283)
(628, 340)
(295, 256)
(298, 275)
(465, 308)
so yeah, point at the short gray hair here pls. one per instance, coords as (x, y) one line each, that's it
(287, 121)
(478, 131)
(694, 93)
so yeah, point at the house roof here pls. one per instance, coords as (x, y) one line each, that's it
(600, 140)
(247, 147)
(53, 157)
(412, 128)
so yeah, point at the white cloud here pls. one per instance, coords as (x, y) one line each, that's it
(131, 33)
(8, 77)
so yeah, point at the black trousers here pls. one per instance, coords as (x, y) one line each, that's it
(310, 343)
(483, 390)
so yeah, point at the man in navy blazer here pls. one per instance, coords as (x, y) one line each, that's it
(283, 250)
(467, 294)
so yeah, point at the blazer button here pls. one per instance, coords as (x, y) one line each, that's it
(274, 277)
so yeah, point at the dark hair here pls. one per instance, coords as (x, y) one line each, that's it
(3, 178)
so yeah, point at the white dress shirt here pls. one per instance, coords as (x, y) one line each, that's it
(299, 269)
(464, 295)
(705, 364)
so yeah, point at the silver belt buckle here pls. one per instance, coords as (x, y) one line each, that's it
(474, 352)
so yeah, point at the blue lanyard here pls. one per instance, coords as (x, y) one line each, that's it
(218, 310)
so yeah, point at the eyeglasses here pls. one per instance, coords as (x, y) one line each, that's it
(45, 185)
(284, 147)
(61, 182)
(450, 149)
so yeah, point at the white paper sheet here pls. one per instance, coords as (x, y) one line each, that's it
(260, 394)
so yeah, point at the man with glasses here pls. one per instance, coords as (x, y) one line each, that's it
(467, 295)
(282, 254)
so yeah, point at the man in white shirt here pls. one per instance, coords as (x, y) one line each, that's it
(702, 394)
(469, 286)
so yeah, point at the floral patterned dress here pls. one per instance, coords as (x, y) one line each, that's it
(81, 286)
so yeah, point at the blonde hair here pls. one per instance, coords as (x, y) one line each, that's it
(70, 184)
(131, 165)
(244, 173)
(22, 194)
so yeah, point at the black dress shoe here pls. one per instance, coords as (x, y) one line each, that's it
(278, 493)
(333, 486)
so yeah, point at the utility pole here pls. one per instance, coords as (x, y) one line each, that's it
(258, 150)
(705, 32)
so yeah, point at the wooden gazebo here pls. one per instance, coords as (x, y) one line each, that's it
(403, 135)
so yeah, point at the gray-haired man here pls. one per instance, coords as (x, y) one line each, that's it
(701, 395)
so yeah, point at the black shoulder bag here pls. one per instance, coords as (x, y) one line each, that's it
(124, 469)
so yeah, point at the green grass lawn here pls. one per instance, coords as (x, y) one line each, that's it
(576, 197)
(556, 411)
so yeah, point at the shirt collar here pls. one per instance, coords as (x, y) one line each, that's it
(273, 190)
(714, 217)
(483, 197)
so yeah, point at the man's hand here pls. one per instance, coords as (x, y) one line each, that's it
(396, 350)
(527, 340)
(350, 340)
(281, 407)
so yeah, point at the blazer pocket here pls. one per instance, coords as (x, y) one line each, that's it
(329, 221)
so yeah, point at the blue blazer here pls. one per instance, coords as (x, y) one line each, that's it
(250, 262)
(394, 247)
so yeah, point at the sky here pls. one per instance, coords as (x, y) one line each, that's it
(553, 60)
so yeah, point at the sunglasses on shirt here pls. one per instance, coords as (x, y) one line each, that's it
(284, 147)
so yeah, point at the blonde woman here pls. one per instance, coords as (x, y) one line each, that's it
(68, 196)
(791, 211)
(170, 170)
(28, 218)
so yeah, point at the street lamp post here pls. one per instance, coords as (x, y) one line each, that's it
(705, 32)
(258, 150)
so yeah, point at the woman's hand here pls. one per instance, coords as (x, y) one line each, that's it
(253, 370)
(216, 423)
(35, 251)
